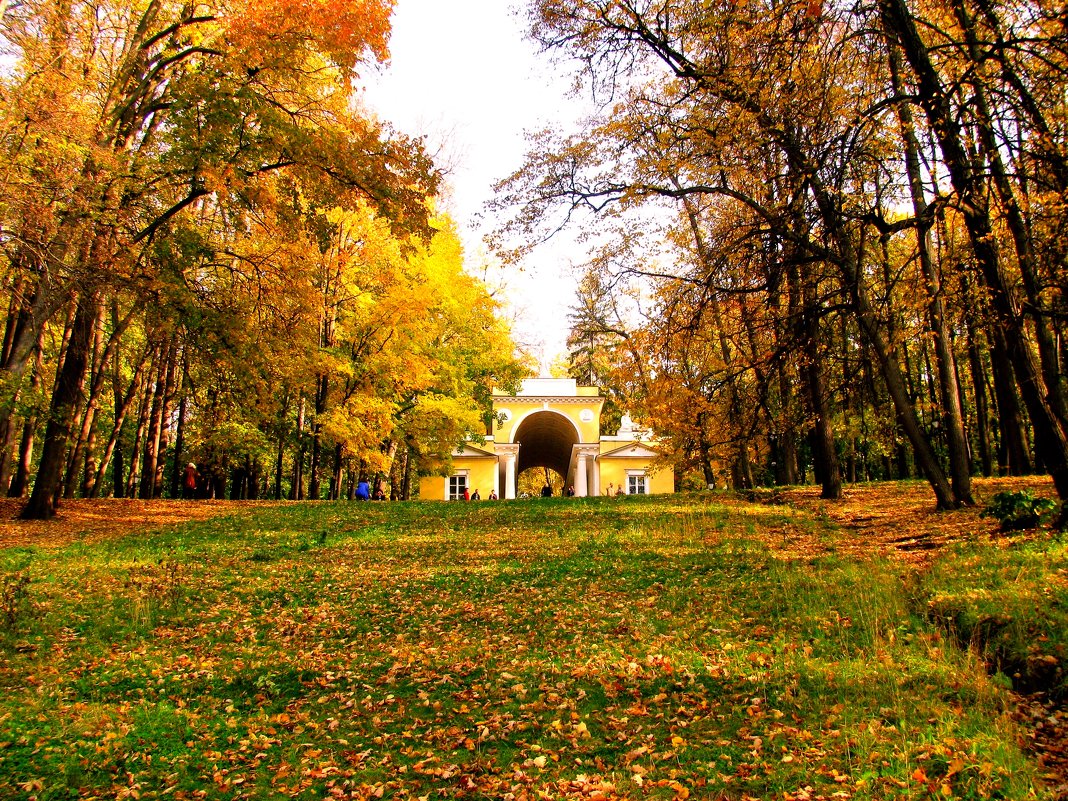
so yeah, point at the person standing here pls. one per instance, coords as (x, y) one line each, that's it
(189, 481)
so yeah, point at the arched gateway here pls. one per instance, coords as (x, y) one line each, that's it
(553, 423)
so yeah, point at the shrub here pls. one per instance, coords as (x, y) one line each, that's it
(1019, 510)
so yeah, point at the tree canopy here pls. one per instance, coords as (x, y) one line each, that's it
(214, 254)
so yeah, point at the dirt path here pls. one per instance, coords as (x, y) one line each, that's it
(94, 520)
(900, 519)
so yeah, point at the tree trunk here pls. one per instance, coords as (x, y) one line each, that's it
(406, 484)
(150, 448)
(824, 454)
(65, 401)
(79, 448)
(321, 388)
(982, 405)
(1013, 456)
(704, 450)
(20, 484)
(952, 416)
(828, 471)
(1036, 310)
(179, 448)
(335, 477)
(280, 453)
(296, 492)
(7, 415)
(163, 441)
(144, 412)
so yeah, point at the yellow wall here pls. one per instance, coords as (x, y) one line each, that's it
(480, 476)
(614, 472)
(662, 481)
(432, 488)
(520, 408)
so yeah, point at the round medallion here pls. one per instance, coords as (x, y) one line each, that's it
(586, 415)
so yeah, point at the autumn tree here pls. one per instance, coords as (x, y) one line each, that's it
(179, 177)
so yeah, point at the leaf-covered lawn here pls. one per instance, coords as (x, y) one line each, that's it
(597, 648)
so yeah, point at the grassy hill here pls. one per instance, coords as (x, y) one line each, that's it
(663, 647)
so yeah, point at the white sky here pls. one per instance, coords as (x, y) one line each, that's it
(463, 74)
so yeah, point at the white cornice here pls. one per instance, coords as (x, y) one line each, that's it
(500, 400)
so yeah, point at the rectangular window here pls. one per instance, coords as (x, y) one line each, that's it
(636, 485)
(457, 485)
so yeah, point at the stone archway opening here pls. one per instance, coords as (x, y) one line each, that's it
(531, 482)
(545, 440)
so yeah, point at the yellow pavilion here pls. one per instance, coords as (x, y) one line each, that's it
(554, 423)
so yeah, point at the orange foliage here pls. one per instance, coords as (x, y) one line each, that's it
(345, 30)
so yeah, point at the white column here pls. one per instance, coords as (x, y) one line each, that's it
(596, 475)
(509, 476)
(509, 453)
(580, 475)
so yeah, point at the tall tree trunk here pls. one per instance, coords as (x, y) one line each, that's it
(280, 451)
(321, 388)
(78, 452)
(163, 442)
(785, 443)
(65, 401)
(1035, 310)
(406, 484)
(179, 448)
(20, 484)
(826, 467)
(144, 412)
(849, 255)
(150, 459)
(279, 464)
(7, 415)
(828, 470)
(1014, 456)
(982, 404)
(952, 416)
(704, 450)
(151, 441)
(741, 470)
(296, 492)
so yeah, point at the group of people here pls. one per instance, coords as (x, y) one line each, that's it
(363, 492)
(547, 491)
(474, 496)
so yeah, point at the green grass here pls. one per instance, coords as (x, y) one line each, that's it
(616, 648)
(1010, 605)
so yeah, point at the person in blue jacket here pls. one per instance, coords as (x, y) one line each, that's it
(363, 491)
